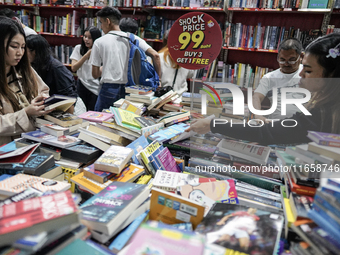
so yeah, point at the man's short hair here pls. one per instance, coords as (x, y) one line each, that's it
(291, 44)
(8, 13)
(128, 25)
(111, 13)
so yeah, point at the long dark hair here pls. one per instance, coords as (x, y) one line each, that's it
(95, 34)
(42, 50)
(330, 93)
(8, 29)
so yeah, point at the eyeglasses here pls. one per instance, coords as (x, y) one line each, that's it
(288, 62)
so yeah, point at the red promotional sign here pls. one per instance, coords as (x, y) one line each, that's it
(195, 40)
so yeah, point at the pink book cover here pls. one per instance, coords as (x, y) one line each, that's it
(167, 161)
(20, 182)
(96, 116)
(163, 241)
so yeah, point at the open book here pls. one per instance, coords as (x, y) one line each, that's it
(59, 102)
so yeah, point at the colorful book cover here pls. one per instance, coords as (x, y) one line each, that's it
(242, 229)
(20, 155)
(27, 213)
(153, 239)
(96, 116)
(128, 118)
(149, 156)
(20, 182)
(106, 210)
(61, 141)
(167, 161)
(113, 159)
(138, 145)
(88, 184)
(169, 133)
(327, 139)
(129, 174)
(145, 121)
(147, 131)
(97, 175)
(172, 209)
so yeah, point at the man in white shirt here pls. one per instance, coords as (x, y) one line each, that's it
(289, 59)
(112, 51)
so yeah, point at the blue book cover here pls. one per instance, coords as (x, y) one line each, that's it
(107, 204)
(169, 133)
(137, 146)
(331, 191)
(330, 205)
(324, 223)
(331, 218)
(4, 177)
(120, 241)
(152, 158)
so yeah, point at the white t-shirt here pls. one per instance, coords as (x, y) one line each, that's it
(112, 52)
(277, 79)
(168, 74)
(29, 31)
(85, 72)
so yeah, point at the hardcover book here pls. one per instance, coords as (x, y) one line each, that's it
(106, 210)
(327, 139)
(113, 159)
(96, 116)
(20, 182)
(97, 175)
(82, 153)
(172, 209)
(260, 230)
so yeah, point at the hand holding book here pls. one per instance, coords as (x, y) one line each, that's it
(37, 107)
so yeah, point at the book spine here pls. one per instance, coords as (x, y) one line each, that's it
(322, 212)
(323, 202)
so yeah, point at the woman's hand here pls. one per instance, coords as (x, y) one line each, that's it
(88, 54)
(200, 126)
(36, 108)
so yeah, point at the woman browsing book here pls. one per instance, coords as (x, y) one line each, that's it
(320, 76)
(87, 86)
(22, 90)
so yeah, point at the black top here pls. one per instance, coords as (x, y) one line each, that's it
(320, 120)
(59, 79)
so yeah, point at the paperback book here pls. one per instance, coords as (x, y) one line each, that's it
(41, 137)
(97, 175)
(96, 116)
(59, 102)
(327, 139)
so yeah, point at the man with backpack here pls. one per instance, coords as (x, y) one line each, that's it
(112, 52)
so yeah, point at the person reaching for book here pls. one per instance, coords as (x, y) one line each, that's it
(172, 74)
(87, 86)
(22, 92)
(57, 77)
(320, 75)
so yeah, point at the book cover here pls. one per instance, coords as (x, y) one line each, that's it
(171, 208)
(327, 139)
(149, 156)
(61, 141)
(86, 183)
(327, 151)
(317, 4)
(169, 133)
(96, 116)
(145, 121)
(128, 118)
(83, 153)
(242, 229)
(153, 27)
(20, 155)
(147, 131)
(54, 130)
(167, 161)
(97, 175)
(153, 238)
(32, 215)
(113, 159)
(138, 89)
(63, 119)
(129, 174)
(138, 145)
(20, 182)
(25, 194)
(127, 106)
(300, 205)
(106, 210)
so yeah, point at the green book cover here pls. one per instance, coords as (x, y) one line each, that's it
(317, 4)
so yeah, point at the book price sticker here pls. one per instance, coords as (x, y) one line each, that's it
(183, 216)
(188, 209)
(195, 40)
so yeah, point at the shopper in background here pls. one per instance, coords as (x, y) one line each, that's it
(11, 14)
(320, 75)
(172, 74)
(128, 25)
(22, 92)
(112, 51)
(57, 77)
(87, 86)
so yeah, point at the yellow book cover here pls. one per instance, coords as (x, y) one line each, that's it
(144, 179)
(129, 174)
(128, 118)
(88, 184)
(126, 105)
(170, 208)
